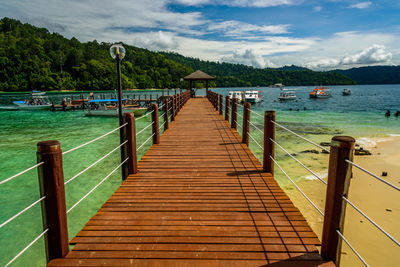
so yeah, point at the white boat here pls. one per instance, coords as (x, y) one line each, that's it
(287, 95)
(109, 108)
(236, 94)
(36, 102)
(346, 92)
(252, 96)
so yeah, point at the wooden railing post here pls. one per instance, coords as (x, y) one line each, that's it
(227, 106)
(130, 133)
(234, 114)
(246, 123)
(176, 104)
(166, 115)
(54, 211)
(221, 104)
(173, 108)
(339, 174)
(269, 146)
(156, 131)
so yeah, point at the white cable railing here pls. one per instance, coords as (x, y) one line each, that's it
(144, 129)
(237, 124)
(352, 248)
(255, 127)
(94, 140)
(21, 212)
(371, 221)
(21, 173)
(373, 175)
(255, 141)
(94, 188)
(302, 137)
(162, 114)
(27, 247)
(144, 116)
(145, 142)
(298, 161)
(162, 125)
(298, 188)
(95, 163)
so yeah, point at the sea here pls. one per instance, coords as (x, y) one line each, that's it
(361, 115)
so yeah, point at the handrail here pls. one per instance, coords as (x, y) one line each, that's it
(373, 175)
(258, 129)
(20, 173)
(21, 212)
(352, 248)
(141, 131)
(305, 139)
(298, 188)
(371, 221)
(298, 161)
(94, 140)
(94, 188)
(93, 164)
(162, 125)
(145, 142)
(27, 247)
(144, 116)
(255, 141)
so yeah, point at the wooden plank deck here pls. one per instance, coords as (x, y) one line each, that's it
(200, 198)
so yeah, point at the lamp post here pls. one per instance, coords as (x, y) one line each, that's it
(117, 52)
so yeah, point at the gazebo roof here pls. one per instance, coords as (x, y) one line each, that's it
(198, 75)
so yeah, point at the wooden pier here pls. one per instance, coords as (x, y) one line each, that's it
(199, 198)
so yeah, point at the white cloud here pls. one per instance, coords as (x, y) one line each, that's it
(156, 40)
(375, 54)
(240, 29)
(361, 5)
(248, 57)
(318, 8)
(239, 3)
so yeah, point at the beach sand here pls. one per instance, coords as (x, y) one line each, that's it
(379, 201)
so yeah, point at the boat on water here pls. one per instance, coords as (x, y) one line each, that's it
(287, 95)
(320, 92)
(252, 96)
(37, 101)
(239, 95)
(109, 108)
(346, 92)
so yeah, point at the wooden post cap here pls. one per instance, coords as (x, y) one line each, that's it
(343, 142)
(49, 146)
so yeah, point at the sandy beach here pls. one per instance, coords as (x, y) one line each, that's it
(379, 201)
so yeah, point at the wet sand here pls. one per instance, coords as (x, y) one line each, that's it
(379, 201)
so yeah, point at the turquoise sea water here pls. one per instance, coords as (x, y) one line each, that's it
(360, 115)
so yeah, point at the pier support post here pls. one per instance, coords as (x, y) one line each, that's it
(54, 211)
(227, 106)
(269, 146)
(130, 133)
(166, 122)
(156, 130)
(173, 108)
(221, 103)
(246, 123)
(339, 174)
(234, 114)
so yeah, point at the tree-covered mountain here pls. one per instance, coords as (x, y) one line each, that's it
(33, 58)
(373, 74)
(228, 74)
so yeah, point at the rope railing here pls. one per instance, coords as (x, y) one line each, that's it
(352, 248)
(22, 212)
(94, 188)
(21, 173)
(298, 188)
(27, 247)
(255, 141)
(147, 140)
(94, 140)
(144, 129)
(298, 161)
(255, 127)
(237, 124)
(372, 221)
(162, 114)
(144, 116)
(373, 175)
(302, 137)
(95, 163)
(162, 125)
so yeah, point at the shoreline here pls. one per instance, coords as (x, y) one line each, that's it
(373, 197)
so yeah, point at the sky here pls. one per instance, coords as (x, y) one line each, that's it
(317, 34)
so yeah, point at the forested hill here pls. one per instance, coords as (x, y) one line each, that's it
(373, 74)
(33, 58)
(228, 74)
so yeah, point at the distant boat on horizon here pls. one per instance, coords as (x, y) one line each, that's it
(346, 92)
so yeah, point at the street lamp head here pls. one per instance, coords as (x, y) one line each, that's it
(117, 50)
